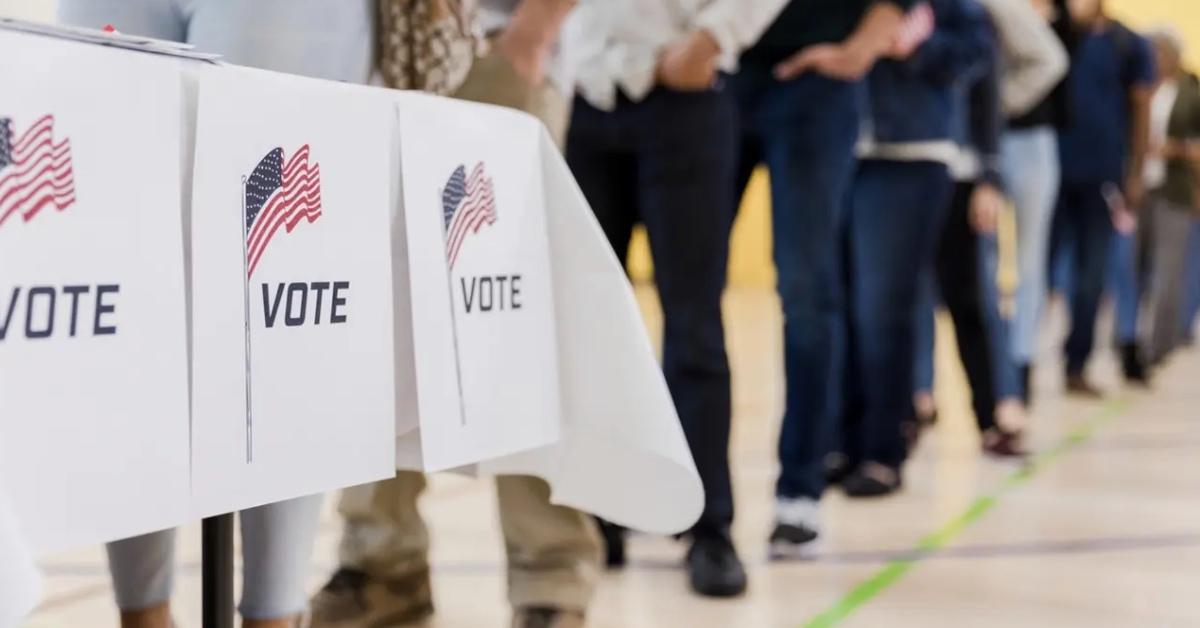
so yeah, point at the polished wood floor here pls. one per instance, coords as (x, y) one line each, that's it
(1103, 531)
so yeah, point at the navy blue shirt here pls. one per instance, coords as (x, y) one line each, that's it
(803, 23)
(1094, 145)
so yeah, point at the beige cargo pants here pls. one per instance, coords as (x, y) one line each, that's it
(554, 553)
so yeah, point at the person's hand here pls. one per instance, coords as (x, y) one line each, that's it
(690, 64)
(1124, 221)
(986, 204)
(525, 54)
(918, 27)
(844, 62)
(1134, 191)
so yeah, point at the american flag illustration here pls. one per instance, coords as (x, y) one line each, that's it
(468, 203)
(35, 170)
(279, 194)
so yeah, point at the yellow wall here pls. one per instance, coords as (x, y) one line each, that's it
(750, 252)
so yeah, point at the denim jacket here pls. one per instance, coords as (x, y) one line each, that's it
(914, 100)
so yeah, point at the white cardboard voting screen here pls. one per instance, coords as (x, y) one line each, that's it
(290, 234)
(622, 454)
(94, 436)
(93, 374)
(20, 584)
(481, 294)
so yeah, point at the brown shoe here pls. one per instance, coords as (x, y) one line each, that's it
(1079, 386)
(1003, 444)
(354, 599)
(546, 617)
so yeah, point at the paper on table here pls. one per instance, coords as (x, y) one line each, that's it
(20, 585)
(622, 454)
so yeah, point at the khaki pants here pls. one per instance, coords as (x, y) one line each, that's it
(554, 553)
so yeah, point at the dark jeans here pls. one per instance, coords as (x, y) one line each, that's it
(896, 213)
(968, 286)
(668, 162)
(804, 131)
(1082, 219)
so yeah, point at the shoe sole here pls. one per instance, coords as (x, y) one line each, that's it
(403, 618)
(781, 550)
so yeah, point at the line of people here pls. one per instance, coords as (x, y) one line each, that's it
(893, 131)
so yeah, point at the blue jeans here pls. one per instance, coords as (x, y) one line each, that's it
(805, 131)
(1032, 169)
(1083, 227)
(1191, 307)
(1126, 283)
(314, 38)
(895, 217)
(668, 162)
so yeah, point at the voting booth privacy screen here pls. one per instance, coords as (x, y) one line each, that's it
(223, 287)
(93, 335)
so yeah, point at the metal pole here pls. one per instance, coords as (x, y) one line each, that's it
(217, 571)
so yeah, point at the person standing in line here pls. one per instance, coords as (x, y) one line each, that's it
(554, 552)
(1031, 62)
(1102, 150)
(277, 539)
(896, 209)
(1173, 178)
(799, 100)
(653, 140)
(1029, 150)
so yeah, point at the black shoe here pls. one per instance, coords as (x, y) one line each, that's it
(837, 467)
(872, 479)
(714, 568)
(1025, 371)
(1133, 365)
(614, 543)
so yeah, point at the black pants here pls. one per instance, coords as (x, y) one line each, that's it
(668, 163)
(961, 275)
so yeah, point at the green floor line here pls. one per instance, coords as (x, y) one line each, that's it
(895, 570)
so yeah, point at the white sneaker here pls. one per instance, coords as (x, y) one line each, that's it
(797, 529)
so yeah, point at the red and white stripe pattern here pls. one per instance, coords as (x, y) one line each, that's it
(36, 173)
(298, 198)
(477, 208)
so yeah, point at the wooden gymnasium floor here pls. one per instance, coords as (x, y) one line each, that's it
(1103, 531)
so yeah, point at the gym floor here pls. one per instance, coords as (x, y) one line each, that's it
(1101, 529)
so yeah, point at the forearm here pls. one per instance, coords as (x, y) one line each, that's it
(537, 23)
(736, 24)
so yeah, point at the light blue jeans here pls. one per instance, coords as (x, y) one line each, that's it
(277, 542)
(329, 39)
(1033, 172)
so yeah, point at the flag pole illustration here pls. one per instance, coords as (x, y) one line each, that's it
(276, 195)
(462, 404)
(246, 294)
(468, 204)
